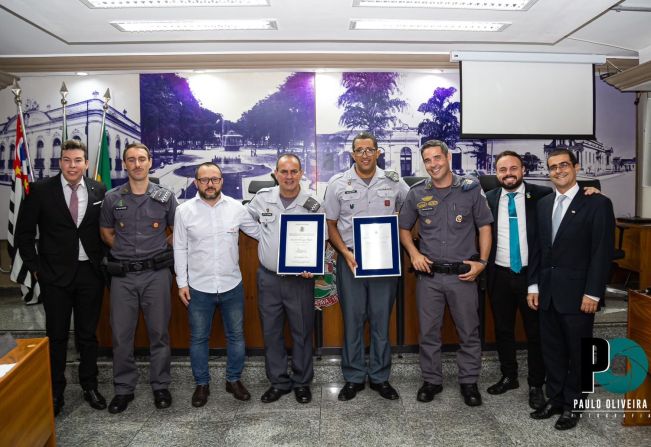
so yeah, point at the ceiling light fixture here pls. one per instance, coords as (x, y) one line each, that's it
(512, 5)
(139, 26)
(116, 4)
(426, 25)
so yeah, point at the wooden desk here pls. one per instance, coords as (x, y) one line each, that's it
(639, 330)
(637, 246)
(26, 409)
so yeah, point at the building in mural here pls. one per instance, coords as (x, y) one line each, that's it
(595, 159)
(44, 135)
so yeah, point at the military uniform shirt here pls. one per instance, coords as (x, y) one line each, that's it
(447, 218)
(138, 220)
(348, 196)
(266, 208)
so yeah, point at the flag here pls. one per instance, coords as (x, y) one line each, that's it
(103, 167)
(19, 190)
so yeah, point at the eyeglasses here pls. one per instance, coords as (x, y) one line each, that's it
(206, 180)
(560, 167)
(364, 151)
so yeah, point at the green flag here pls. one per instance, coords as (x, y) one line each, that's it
(103, 167)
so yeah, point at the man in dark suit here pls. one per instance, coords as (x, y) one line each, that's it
(571, 265)
(514, 209)
(65, 211)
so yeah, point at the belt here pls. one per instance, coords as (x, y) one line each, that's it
(271, 272)
(450, 268)
(508, 269)
(138, 266)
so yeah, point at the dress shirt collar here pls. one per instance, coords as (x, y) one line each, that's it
(64, 182)
(520, 190)
(198, 198)
(570, 193)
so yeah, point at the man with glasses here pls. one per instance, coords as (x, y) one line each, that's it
(363, 190)
(64, 211)
(280, 295)
(134, 222)
(571, 266)
(206, 259)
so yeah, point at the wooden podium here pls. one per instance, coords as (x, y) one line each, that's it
(639, 330)
(26, 409)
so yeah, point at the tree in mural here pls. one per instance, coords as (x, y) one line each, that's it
(369, 101)
(444, 124)
(284, 119)
(530, 162)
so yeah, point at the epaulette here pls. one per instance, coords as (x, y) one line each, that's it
(312, 205)
(161, 195)
(392, 175)
(469, 183)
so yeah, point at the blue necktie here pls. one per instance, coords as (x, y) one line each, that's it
(514, 235)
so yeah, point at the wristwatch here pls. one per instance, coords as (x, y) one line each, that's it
(482, 262)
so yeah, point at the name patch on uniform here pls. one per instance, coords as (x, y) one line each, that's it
(267, 214)
(120, 208)
(350, 191)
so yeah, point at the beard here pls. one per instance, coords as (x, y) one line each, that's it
(212, 195)
(512, 187)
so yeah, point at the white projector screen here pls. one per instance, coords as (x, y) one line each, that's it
(527, 100)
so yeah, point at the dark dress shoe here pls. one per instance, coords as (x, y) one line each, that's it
(427, 392)
(470, 394)
(546, 411)
(57, 402)
(119, 403)
(200, 395)
(386, 390)
(162, 399)
(536, 397)
(303, 394)
(273, 394)
(350, 390)
(568, 420)
(95, 399)
(505, 384)
(238, 390)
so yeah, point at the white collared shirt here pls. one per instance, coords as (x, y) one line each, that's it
(503, 248)
(82, 200)
(570, 194)
(206, 250)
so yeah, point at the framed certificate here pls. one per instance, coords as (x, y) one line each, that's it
(301, 247)
(377, 246)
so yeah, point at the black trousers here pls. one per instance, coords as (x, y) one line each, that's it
(509, 294)
(83, 297)
(562, 335)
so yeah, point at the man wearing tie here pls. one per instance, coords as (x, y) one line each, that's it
(64, 209)
(514, 209)
(571, 265)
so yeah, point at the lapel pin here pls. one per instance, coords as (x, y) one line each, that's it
(573, 212)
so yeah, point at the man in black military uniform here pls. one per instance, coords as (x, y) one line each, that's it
(134, 222)
(449, 209)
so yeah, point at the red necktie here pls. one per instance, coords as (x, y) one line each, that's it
(74, 202)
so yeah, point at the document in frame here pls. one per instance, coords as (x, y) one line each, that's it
(376, 246)
(301, 246)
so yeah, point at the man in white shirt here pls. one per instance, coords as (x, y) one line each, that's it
(206, 260)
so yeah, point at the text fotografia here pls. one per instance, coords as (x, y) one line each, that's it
(631, 408)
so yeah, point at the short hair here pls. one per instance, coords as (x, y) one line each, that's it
(365, 136)
(509, 154)
(137, 146)
(562, 151)
(290, 155)
(74, 145)
(207, 164)
(435, 143)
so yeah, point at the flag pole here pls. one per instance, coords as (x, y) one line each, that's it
(16, 90)
(64, 92)
(107, 98)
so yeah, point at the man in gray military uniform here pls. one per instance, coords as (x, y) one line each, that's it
(363, 190)
(133, 223)
(280, 294)
(449, 209)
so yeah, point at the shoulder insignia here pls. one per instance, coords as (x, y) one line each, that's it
(161, 195)
(469, 183)
(312, 205)
(392, 175)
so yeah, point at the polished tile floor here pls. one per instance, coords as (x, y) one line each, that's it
(367, 420)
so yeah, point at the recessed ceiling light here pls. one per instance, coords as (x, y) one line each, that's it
(106, 4)
(426, 25)
(512, 5)
(136, 26)
(82, 73)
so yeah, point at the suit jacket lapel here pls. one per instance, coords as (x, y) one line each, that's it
(530, 210)
(494, 205)
(575, 205)
(92, 198)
